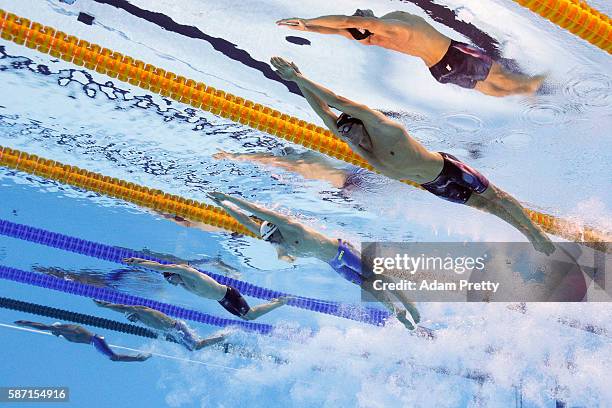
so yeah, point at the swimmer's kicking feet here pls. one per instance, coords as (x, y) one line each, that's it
(388, 147)
(449, 61)
(203, 285)
(175, 329)
(78, 334)
(292, 239)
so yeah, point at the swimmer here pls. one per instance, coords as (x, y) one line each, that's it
(203, 285)
(174, 329)
(78, 334)
(292, 239)
(449, 61)
(388, 147)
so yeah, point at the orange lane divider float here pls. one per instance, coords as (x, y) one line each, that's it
(143, 196)
(197, 94)
(577, 17)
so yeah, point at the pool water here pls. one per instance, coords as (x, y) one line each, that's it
(551, 151)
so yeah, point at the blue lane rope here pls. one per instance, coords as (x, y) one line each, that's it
(110, 295)
(369, 315)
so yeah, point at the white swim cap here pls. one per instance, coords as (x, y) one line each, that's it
(266, 230)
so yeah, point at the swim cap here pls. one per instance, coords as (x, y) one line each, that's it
(132, 316)
(266, 230)
(363, 13)
(345, 123)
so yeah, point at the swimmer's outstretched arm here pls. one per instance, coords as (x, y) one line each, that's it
(271, 216)
(182, 270)
(372, 24)
(242, 218)
(34, 325)
(290, 72)
(113, 306)
(317, 104)
(209, 341)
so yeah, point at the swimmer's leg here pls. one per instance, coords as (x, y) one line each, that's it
(497, 202)
(100, 344)
(209, 341)
(500, 82)
(384, 298)
(34, 325)
(409, 305)
(257, 311)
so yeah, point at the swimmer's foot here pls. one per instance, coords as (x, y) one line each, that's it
(209, 341)
(414, 313)
(281, 301)
(535, 83)
(541, 242)
(401, 316)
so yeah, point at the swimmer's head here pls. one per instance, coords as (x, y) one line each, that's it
(132, 317)
(363, 13)
(270, 233)
(287, 150)
(353, 129)
(173, 278)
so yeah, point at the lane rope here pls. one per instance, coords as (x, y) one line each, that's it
(120, 327)
(577, 17)
(110, 295)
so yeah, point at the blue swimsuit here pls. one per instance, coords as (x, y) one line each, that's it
(347, 263)
(100, 344)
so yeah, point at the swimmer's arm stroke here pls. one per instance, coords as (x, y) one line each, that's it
(241, 217)
(117, 307)
(265, 214)
(182, 270)
(372, 24)
(357, 110)
(320, 107)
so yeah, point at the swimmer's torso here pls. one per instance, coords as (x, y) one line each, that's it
(205, 286)
(154, 319)
(73, 333)
(401, 157)
(414, 36)
(301, 241)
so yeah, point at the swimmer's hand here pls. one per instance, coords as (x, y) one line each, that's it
(222, 155)
(217, 196)
(294, 23)
(285, 69)
(134, 261)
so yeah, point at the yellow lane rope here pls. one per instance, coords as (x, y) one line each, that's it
(143, 196)
(577, 17)
(197, 94)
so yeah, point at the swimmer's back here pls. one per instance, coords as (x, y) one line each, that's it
(416, 37)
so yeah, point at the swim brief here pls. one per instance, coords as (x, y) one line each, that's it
(457, 181)
(234, 303)
(347, 263)
(462, 65)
